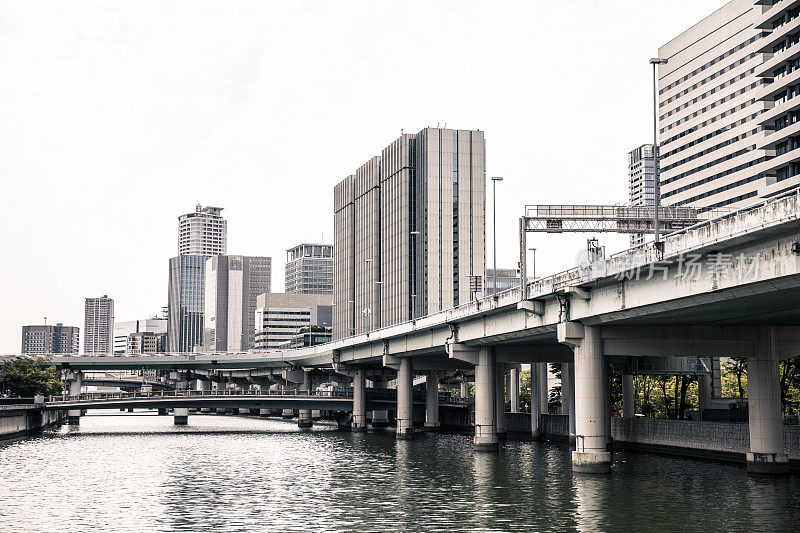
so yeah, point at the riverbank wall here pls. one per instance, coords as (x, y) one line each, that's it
(22, 420)
(709, 440)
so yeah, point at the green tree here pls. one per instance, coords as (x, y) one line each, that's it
(25, 378)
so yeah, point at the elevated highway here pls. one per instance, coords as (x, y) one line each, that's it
(723, 287)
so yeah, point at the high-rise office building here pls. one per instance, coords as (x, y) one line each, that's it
(641, 182)
(98, 325)
(186, 302)
(232, 286)
(123, 330)
(50, 339)
(203, 232)
(409, 230)
(201, 235)
(309, 269)
(280, 317)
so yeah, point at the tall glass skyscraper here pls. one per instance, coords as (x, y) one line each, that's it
(187, 275)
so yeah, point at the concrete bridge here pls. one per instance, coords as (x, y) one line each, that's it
(729, 286)
(291, 400)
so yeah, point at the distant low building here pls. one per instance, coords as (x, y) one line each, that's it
(146, 342)
(50, 339)
(122, 331)
(310, 336)
(280, 317)
(507, 278)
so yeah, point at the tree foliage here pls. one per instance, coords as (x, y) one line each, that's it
(25, 378)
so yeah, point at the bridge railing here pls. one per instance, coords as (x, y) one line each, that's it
(374, 394)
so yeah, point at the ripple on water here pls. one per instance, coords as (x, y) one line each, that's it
(141, 473)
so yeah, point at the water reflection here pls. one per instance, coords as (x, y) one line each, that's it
(120, 473)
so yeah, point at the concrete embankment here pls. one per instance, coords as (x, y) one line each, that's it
(20, 420)
(709, 440)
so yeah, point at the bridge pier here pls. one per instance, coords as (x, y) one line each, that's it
(359, 423)
(75, 382)
(432, 401)
(405, 400)
(544, 392)
(513, 388)
(500, 401)
(536, 413)
(767, 452)
(380, 417)
(485, 405)
(591, 418)
(568, 396)
(464, 392)
(628, 402)
(181, 416)
(304, 420)
(287, 413)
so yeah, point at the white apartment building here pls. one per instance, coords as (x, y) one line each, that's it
(710, 103)
(98, 328)
(203, 232)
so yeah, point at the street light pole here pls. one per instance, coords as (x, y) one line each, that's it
(534, 262)
(494, 230)
(657, 185)
(368, 295)
(414, 235)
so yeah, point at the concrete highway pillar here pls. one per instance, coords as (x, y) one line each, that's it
(485, 404)
(569, 394)
(513, 389)
(565, 388)
(705, 390)
(544, 392)
(464, 393)
(500, 401)
(287, 413)
(75, 384)
(304, 420)
(432, 401)
(405, 400)
(767, 452)
(380, 417)
(591, 417)
(628, 405)
(181, 416)
(536, 413)
(359, 423)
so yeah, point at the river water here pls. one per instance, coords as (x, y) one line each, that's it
(138, 472)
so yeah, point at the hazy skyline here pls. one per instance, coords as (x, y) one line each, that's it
(118, 118)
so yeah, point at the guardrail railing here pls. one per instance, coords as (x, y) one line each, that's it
(379, 394)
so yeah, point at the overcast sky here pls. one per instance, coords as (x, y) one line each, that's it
(115, 118)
